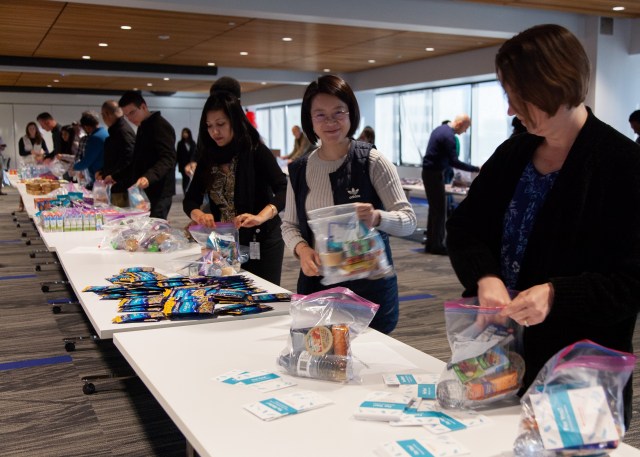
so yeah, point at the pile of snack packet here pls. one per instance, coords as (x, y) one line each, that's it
(146, 296)
(348, 249)
(575, 406)
(485, 365)
(323, 326)
(143, 233)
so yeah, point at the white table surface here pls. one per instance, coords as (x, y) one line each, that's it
(209, 413)
(90, 265)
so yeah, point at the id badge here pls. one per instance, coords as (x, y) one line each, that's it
(254, 250)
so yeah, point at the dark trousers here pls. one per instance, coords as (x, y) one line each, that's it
(269, 266)
(434, 188)
(160, 206)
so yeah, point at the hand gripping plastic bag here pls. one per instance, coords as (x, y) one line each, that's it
(138, 199)
(322, 328)
(221, 252)
(575, 406)
(348, 249)
(101, 192)
(485, 365)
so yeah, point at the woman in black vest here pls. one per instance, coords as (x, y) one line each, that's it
(243, 181)
(340, 171)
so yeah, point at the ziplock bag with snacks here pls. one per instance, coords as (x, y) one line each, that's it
(138, 199)
(485, 365)
(221, 254)
(143, 234)
(348, 249)
(323, 325)
(575, 406)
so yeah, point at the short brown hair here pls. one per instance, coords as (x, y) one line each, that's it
(330, 85)
(546, 66)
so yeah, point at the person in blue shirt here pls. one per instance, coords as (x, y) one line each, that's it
(441, 154)
(93, 159)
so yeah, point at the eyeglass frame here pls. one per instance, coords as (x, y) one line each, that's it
(337, 116)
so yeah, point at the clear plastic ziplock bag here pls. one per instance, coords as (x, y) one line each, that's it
(322, 328)
(575, 406)
(221, 253)
(348, 249)
(138, 199)
(140, 234)
(485, 365)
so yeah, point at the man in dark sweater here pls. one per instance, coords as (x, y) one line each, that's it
(118, 153)
(49, 124)
(441, 154)
(634, 122)
(154, 156)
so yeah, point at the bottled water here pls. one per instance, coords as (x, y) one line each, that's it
(328, 367)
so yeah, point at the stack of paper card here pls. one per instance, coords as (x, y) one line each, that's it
(383, 406)
(437, 446)
(260, 380)
(436, 420)
(285, 405)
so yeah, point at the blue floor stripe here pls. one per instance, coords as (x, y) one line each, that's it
(418, 201)
(2, 278)
(416, 297)
(11, 241)
(35, 362)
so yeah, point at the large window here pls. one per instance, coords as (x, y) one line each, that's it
(405, 120)
(274, 125)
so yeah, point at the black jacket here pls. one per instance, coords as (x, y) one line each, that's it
(585, 240)
(118, 155)
(154, 156)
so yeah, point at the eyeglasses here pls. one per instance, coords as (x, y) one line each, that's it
(337, 116)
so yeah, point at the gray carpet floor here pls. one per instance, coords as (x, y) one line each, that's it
(43, 411)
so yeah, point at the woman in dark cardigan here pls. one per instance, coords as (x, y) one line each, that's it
(553, 213)
(243, 182)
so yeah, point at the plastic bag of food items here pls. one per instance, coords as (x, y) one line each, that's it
(144, 234)
(322, 328)
(485, 365)
(221, 253)
(575, 406)
(138, 199)
(348, 249)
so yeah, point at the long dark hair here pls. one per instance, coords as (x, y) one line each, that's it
(244, 134)
(38, 137)
(67, 146)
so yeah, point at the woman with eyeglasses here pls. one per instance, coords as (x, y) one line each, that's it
(341, 170)
(243, 181)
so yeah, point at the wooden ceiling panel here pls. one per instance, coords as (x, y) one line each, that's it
(24, 25)
(591, 7)
(8, 79)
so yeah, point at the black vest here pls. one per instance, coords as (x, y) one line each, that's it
(349, 184)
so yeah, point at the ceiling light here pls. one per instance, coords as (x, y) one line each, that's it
(287, 39)
(429, 49)
(56, 80)
(618, 8)
(86, 57)
(166, 79)
(125, 27)
(163, 37)
(264, 83)
(371, 61)
(244, 53)
(327, 70)
(149, 84)
(211, 64)
(103, 45)
(135, 88)
(48, 85)
(231, 24)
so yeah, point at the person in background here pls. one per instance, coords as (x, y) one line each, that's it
(301, 144)
(118, 153)
(70, 143)
(31, 147)
(3, 147)
(227, 84)
(49, 124)
(368, 135)
(634, 122)
(251, 116)
(93, 159)
(441, 153)
(343, 170)
(545, 216)
(154, 155)
(185, 149)
(518, 127)
(243, 181)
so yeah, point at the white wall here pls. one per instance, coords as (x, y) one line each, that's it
(617, 90)
(17, 109)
